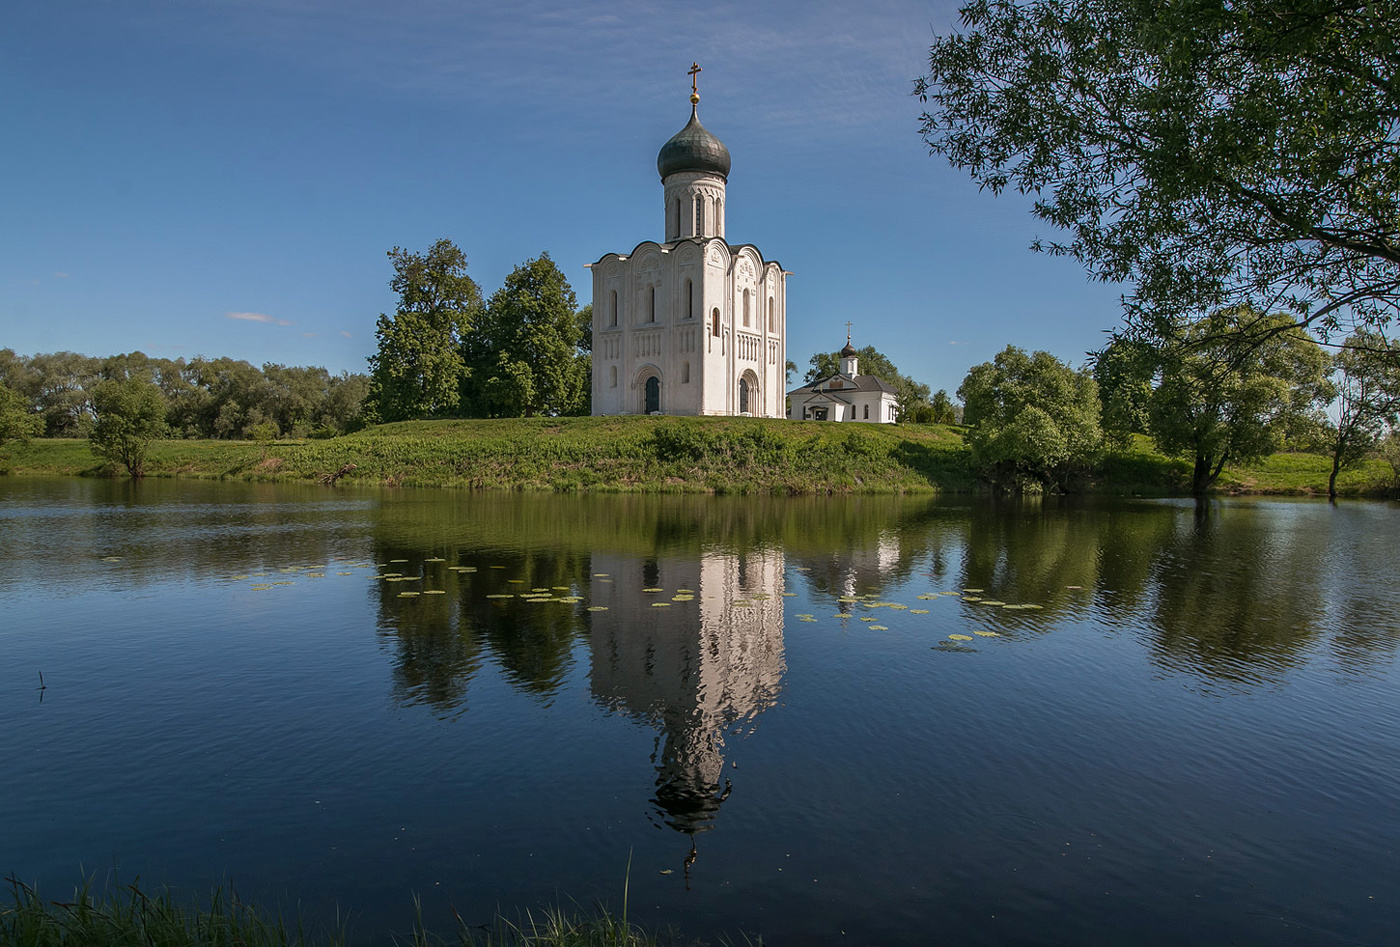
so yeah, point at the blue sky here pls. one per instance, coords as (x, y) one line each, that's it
(224, 178)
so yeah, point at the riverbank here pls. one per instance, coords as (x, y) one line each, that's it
(663, 455)
(126, 914)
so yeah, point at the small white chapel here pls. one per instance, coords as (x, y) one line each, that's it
(693, 325)
(845, 396)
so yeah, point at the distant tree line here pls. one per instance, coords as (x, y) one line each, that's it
(57, 395)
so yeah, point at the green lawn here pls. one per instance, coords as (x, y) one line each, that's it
(667, 454)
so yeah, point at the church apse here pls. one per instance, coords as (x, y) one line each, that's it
(694, 679)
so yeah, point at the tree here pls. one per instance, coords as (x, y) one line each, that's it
(17, 422)
(129, 415)
(1366, 379)
(1209, 404)
(942, 409)
(912, 395)
(522, 356)
(418, 369)
(1033, 420)
(1212, 155)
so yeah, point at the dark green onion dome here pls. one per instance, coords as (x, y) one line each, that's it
(849, 350)
(693, 149)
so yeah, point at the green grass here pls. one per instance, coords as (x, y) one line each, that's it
(127, 916)
(668, 455)
(633, 454)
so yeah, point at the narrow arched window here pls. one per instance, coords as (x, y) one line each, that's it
(747, 319)
(719, 216)
(613, 318)
(699, 215)
(715, 317)
(771, 327)
(676, 227)
(612, 376)
(651, 304)
(867, 412)
(689, 299)
(685, 373)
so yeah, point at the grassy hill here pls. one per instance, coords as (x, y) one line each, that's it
(660, 454)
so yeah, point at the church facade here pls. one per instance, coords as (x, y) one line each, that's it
(692, 325)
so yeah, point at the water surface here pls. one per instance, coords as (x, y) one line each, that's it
(1187, 729)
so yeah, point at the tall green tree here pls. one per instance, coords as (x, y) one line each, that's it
(417, 371)
(128, 415)
(1366, 381)
(1211, 155)
(912, 396)
(1033, 420)
(942, 409)
(17, 421)
(523, 355)
(1213, 406)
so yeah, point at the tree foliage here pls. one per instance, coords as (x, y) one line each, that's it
(1210, 404)
(1212, 155)
(212, 398)
(17, 422)
(912, 396)
(418, 368)
(523, 356)
(128, 415)
(1033, 420)
(1366, 381)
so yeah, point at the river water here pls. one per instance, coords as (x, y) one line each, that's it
(864, 721)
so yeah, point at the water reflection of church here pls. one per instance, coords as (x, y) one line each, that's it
(696, 670)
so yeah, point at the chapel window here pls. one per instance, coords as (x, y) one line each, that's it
(689, 299)
(651, 304)
(747, 319)
(770, 315)
(714, 316)
(613, 317)
(699, 215)
(612, 376)
(685, 373)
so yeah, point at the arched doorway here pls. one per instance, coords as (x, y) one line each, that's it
(652, 401)
(749, 400)
(743, 396)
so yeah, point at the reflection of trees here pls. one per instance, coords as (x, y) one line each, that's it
(867, 544)
(1236, 595)
(442, 640)
(166, 530)
(694, 670)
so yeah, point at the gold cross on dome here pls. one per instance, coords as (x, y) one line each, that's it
(694, 71)
(848, 333)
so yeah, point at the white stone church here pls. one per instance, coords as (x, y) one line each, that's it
(694, 325)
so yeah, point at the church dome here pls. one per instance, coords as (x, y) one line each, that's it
(849, 351)
(693, 148)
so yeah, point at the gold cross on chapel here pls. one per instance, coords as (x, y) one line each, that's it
(848, 333)
(695, 70)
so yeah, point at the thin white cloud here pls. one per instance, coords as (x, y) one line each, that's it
(309, 335)
(257, 317)
(60, 274)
